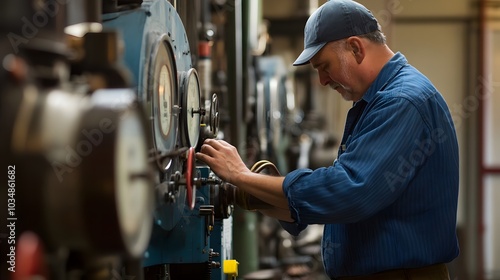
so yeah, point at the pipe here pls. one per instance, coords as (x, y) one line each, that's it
(481, 119)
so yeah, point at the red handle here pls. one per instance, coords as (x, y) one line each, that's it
(189, 174)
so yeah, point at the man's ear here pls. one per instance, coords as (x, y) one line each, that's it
(357, 48)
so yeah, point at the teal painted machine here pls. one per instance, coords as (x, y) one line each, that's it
(192, 231)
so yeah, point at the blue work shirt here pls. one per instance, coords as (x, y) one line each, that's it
(389, 201)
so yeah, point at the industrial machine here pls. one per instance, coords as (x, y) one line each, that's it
(101, 115)
(192, 215)
(103, 105)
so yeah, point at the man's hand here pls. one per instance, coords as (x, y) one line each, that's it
(223, 159)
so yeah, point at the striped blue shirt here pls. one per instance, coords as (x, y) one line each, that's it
(389, 200)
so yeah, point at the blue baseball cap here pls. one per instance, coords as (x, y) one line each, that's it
(335, 20)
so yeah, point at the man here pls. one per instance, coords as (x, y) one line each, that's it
(389, 200)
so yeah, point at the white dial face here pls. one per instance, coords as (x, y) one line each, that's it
(193, 107)
(134, 194)
(165, 99)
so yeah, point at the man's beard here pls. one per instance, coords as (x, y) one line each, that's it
(345, 91)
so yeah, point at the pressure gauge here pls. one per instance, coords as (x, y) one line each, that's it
(133, 190)
(92, 169)
(162, 94)
(121, 188)
(165, 89)
(190, 119)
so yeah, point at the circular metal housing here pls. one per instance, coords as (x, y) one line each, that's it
(190, 116)
(162, 91)
(92, 170)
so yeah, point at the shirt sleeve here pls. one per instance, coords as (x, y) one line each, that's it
(292, 228)
(379, 161)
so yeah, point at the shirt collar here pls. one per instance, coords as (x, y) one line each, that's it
(390, 69)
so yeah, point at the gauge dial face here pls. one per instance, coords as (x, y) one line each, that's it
(193, 107)
(165, 90)
(133, 191)
(190, 120)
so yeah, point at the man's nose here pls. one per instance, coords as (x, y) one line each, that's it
(324, 78)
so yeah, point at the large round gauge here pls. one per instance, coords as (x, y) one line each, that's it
(162, 90)
(122, 185)
(92, 170)
(190, 119)
(133, 190)
(165, 89)
(123, 181)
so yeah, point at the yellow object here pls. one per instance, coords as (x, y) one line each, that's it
(230, 267)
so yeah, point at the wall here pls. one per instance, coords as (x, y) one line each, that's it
(491, 193)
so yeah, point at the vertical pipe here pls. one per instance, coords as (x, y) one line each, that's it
(245, 234)
(189, 14)
(234, 49)
(481, 118)
(204, 62)
(84, 11)
(50, 18)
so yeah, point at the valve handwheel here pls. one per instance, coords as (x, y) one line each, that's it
(214, 115)
(189, 175)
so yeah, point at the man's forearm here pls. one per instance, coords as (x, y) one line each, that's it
(264, 187)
